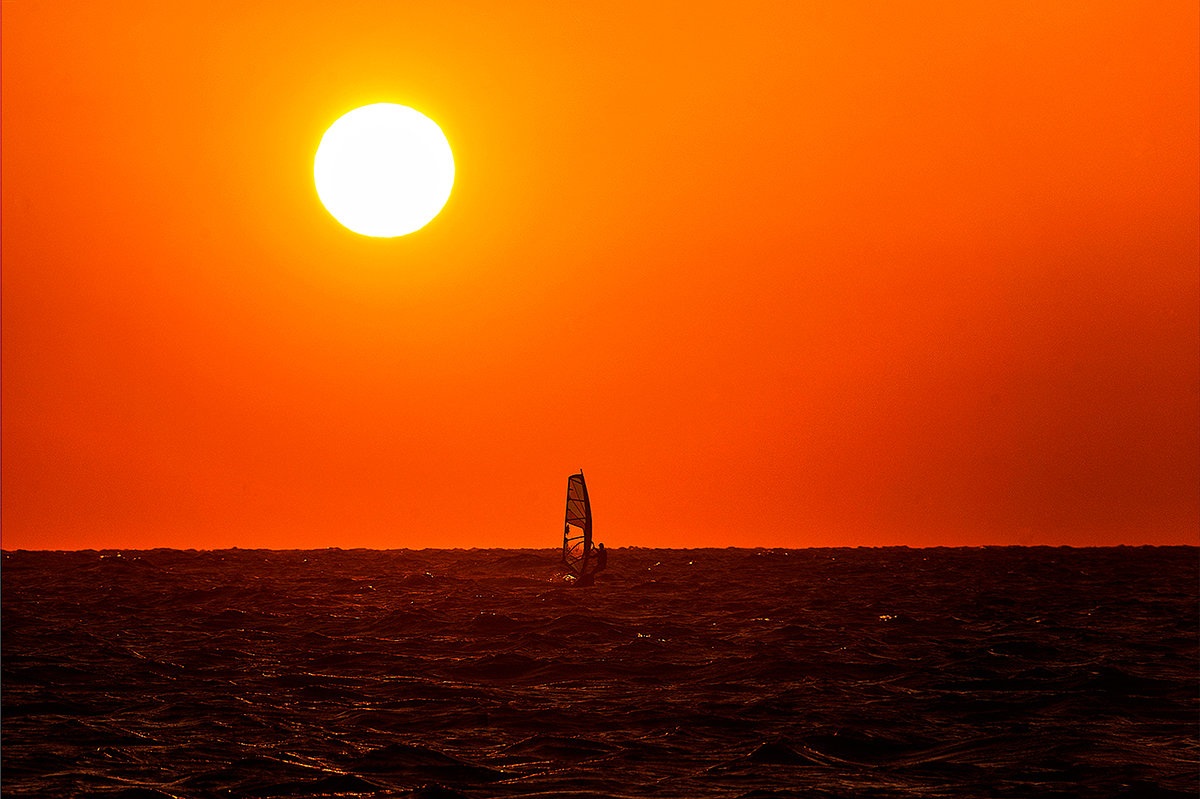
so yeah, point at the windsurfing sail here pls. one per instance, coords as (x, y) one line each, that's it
(577, 532)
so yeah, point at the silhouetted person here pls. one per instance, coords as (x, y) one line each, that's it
(601, 559)
(595, 562)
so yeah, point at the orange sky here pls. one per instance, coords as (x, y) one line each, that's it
(773, 274)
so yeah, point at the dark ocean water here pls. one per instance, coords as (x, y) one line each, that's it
(1011, 672)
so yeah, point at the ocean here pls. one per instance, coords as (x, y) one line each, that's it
(752, 673)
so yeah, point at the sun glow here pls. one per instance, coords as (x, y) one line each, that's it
(384, 170)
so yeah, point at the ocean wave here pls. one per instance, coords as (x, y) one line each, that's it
(684, 673)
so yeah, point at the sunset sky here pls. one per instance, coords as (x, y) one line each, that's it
(773, 274)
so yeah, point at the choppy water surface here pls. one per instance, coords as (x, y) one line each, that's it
(682, 673)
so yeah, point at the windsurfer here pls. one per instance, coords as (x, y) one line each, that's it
(601, 559)
(594, 563)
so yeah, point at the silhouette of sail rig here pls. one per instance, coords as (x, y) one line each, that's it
(577, 532)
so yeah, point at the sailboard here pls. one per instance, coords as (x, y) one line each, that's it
(577, 532)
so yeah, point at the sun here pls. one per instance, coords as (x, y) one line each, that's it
(384, 170)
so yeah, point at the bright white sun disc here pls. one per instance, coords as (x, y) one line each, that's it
(384, 170)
